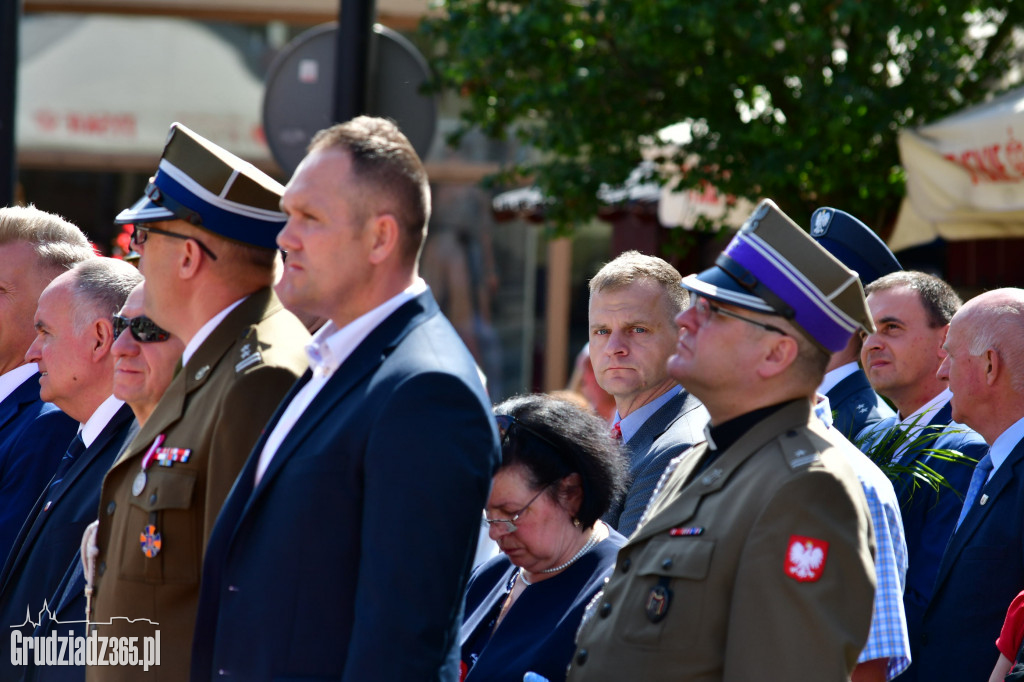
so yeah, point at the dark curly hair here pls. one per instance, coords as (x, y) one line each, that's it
(571, 441)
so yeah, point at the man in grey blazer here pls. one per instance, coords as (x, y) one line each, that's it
(633, 303)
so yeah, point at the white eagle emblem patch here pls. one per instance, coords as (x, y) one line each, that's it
(805, 558)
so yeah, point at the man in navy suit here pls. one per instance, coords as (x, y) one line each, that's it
(73, 350)
(634, 300)
(344, 548)
(35, 247)
(982, 568)
(911, 311)
(854, 402)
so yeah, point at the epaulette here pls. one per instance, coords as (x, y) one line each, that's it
(798, 449)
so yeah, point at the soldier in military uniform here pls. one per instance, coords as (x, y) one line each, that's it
(754, 560)
(206, 233)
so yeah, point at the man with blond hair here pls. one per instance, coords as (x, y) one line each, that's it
(35, 247)
(633, 302)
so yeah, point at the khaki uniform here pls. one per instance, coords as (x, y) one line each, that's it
(216, 408)
(758, 569)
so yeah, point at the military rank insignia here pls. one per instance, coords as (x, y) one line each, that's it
(805, 558)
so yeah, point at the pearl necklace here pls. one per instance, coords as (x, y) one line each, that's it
(583, 550)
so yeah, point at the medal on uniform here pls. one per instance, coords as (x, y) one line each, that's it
(658, 600)
(139, 484)
(150, 540)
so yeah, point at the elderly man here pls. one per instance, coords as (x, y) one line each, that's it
(754, 558)
(633, 302)
(982, 568)
(205, 234)
(144, 359)
(35, 247)
(73, 343)
(344, 550)
(911, 311)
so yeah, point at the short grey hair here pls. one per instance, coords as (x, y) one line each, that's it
(59, 244)
(100, 288)
(1001, 328)
(633, 266)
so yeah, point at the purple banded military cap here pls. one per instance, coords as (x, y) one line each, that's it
(204, 184)
(773, 266)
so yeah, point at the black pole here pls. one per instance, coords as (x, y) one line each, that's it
(8, 87)
(355, 27)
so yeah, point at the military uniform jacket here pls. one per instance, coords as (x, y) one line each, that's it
(759, 568)
(215, 409)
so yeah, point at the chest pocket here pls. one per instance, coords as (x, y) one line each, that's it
(166, 504)
(680, 566)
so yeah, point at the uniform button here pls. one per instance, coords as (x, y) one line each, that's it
(111, 507)
(605, 610)
(581, 657)
(667, 563)
(791, 433)
(152, 498)
(102, 568)
(626, 564)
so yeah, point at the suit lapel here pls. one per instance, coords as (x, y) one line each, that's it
(363, 361)
(1012, 468)
(27, 392)
(119, 421)
(497, 592)
(658, 423)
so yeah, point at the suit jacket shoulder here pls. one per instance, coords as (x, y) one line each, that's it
(856, 405)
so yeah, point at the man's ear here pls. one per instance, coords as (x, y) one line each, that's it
(191, 258)
(779, 354)
(384, 237)
(102, 340)
(993, 365)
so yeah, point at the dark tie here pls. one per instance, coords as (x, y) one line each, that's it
(76, 448)
(978, 480)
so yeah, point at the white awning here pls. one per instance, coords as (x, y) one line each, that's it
(965, 176)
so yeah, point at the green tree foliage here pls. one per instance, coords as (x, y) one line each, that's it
(797, 101)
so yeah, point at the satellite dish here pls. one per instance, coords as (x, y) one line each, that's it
(299, 96)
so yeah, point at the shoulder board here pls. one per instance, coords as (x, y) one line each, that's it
(798, 449)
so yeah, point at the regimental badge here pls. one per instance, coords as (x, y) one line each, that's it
(150, 540)
(658, 601)
(805, 558)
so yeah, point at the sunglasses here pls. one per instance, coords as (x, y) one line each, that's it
(507, 421)
(141, 233)
(143, 329)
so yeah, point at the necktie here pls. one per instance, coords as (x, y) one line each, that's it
(978, 480)
(76, 448)
(616, 432)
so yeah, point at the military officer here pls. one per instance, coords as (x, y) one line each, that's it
(205, 231)
(754, 560)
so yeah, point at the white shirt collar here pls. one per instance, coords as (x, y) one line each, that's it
(331, 346)
(1004, 444)
(929, 408)
(99, 419)
(632, 422)
(10, 381)
(823, 409)
(204, 332)
(833, 378)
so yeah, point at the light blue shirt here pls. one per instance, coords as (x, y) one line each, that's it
(632, 423)
(1004, 444)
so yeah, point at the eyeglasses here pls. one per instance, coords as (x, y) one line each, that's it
(141, 233)
(705, 308)
(143, 329)
(509, 524)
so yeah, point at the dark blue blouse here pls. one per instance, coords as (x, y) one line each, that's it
(538, 633)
